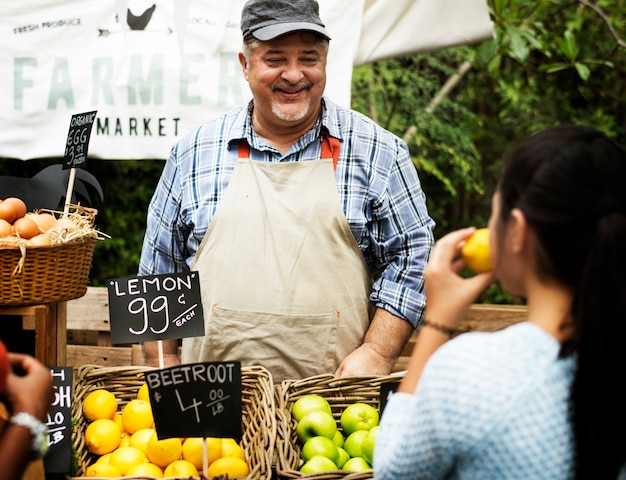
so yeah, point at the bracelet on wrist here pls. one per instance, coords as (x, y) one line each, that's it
(449, 331)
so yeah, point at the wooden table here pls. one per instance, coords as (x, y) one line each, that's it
(49, 323)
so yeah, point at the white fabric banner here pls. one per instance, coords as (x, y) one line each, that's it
(155, 69)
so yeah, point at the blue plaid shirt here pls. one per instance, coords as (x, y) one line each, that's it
(377, 183)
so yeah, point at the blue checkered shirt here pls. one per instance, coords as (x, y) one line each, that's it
(488, 406)
(378, 186)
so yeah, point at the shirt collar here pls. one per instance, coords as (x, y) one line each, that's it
(328, 123)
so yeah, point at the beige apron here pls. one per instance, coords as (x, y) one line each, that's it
(283, 282)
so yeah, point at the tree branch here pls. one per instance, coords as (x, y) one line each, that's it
(606, 19)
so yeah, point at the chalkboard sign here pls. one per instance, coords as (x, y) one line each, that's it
(78, 140)
(59, 456)
(386, 389)
(197, 400)
(155, 307)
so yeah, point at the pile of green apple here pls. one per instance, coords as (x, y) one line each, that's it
(324, 445)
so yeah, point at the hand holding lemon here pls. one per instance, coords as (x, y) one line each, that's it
(476, 251)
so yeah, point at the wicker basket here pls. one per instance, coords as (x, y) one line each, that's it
(258, 411)
(340, 393)
(49, 274)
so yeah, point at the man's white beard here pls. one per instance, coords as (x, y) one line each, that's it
(294, 117)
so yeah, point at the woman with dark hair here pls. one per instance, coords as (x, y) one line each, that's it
(539, 399)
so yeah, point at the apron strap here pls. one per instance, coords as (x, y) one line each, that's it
(330, 149)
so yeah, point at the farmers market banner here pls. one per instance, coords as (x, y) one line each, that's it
(155, 69)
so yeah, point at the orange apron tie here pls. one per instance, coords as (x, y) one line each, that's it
(330, 149)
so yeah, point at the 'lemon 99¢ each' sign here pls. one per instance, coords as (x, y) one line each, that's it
(155, 307)
(197, 400)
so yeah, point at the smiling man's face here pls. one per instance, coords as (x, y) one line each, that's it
(287, 77)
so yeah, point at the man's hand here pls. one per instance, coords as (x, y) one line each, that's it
(381, 347)
(363, 361)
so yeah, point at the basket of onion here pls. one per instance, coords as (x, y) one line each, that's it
(45, 255)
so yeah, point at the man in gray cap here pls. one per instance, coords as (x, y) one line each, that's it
(305, 220)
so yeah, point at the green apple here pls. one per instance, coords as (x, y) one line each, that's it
(309, 403)
(368, 443)
(318, 463)
(356, 464)
(343, 457)
(338, 439)
(314, 424)
(354, 442)
(320, 446)
(359, 416)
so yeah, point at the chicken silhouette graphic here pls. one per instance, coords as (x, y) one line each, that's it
(48, 187)
(139, 22)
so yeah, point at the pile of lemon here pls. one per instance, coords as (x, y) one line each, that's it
(127, 444)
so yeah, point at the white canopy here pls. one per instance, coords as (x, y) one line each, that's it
(172, 64)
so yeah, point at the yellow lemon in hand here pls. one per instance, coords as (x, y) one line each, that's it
(230, 448)
(136, 415)
(102, 436)
(192, 450)
(99, 404)
(163, 452)
(475, 251)
(180, 468)
(232, 466)
(123, 458)
(102, 470)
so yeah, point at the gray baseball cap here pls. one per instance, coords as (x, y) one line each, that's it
(268, 19)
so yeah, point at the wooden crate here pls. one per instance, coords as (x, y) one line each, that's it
(89, 339)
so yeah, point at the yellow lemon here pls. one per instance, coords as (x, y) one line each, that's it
(163, 452)
(117, 418)
(104, 458)
(231, 466)
(136, 415)
(102, 470)
(124, 440)
(145, 470)
(102, 436)
(142, 393)
(192, 450)
(125, 457)
(99, 404)
(140, 438)
(180, 468)
(475, 251)
(230, 448)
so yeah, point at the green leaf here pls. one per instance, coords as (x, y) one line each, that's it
(519, 47)
(583, 71)
(567, 46)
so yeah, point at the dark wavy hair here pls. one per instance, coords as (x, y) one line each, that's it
(570, 183)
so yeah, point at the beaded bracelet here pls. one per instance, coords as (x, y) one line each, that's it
(441, 328)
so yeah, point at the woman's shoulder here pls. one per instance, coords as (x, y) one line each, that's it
(509, 353)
